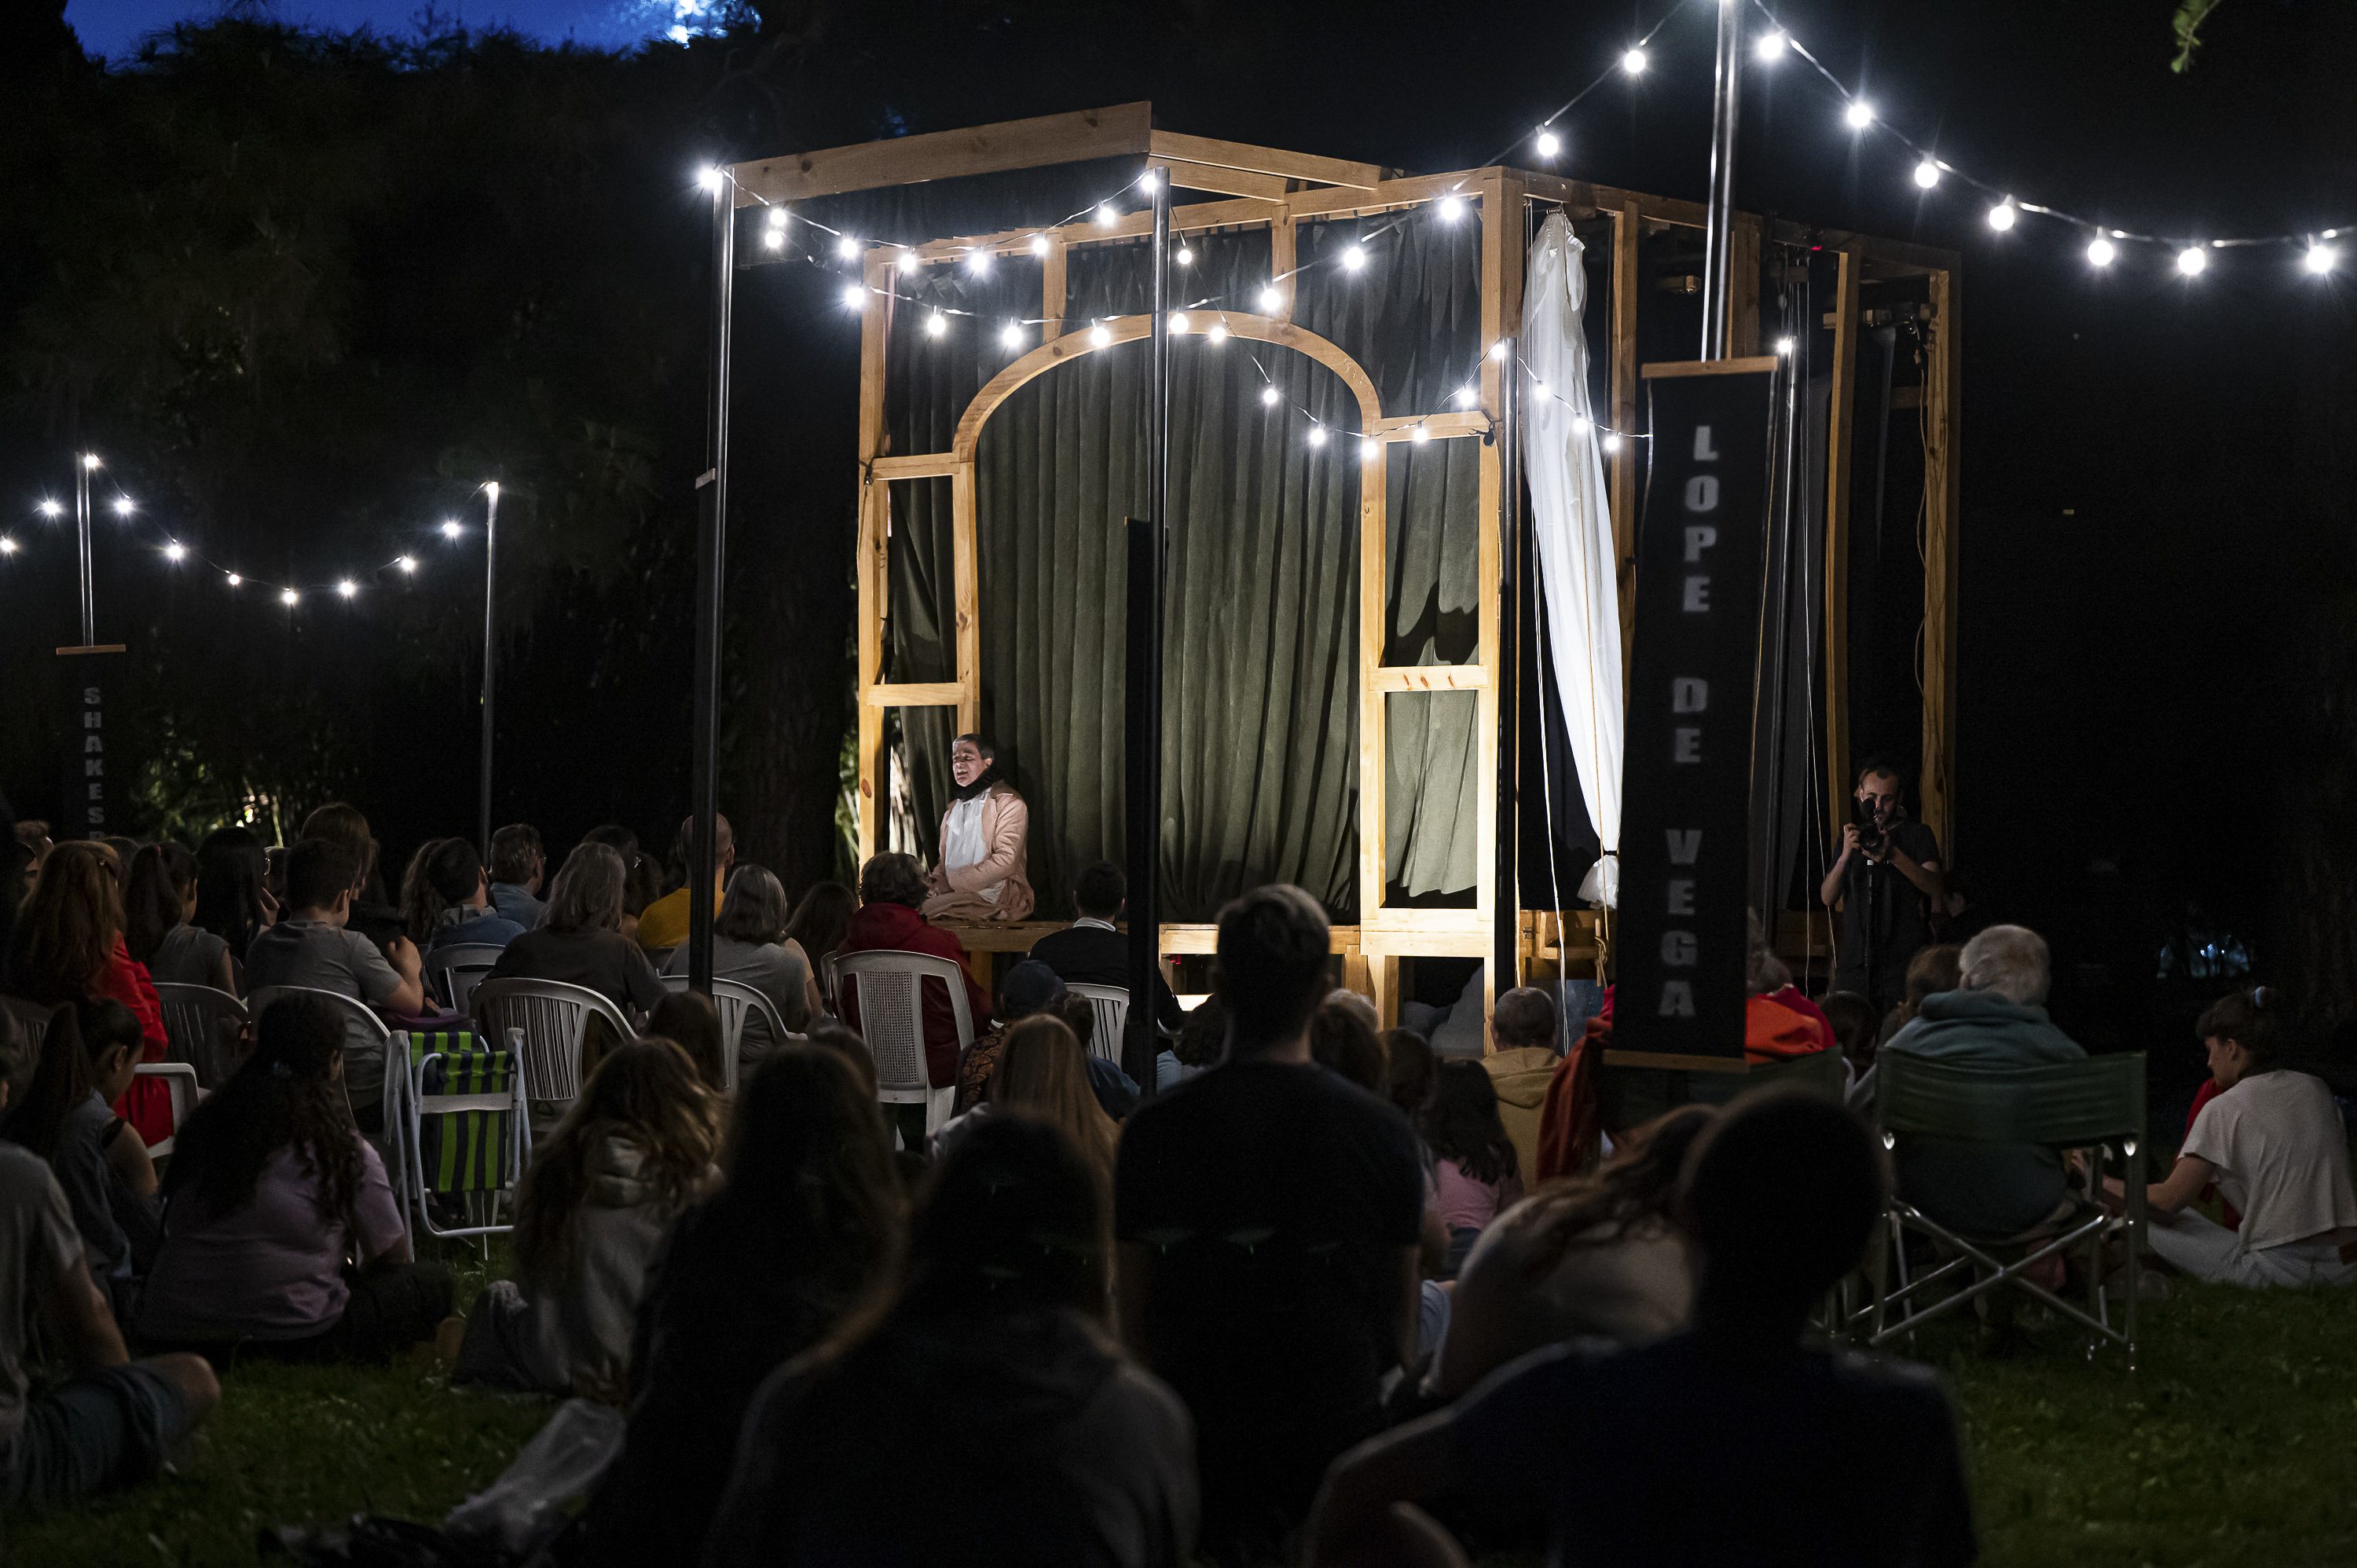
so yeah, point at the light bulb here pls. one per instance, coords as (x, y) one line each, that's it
(936, 324)
(1548, 144)
(1318, 435)
(235, 581)
(777, 217)
(1633, 62)
(1784, 345)
(709, 177)
(1186, 257)
(1100, 334)
(175, 550)
(1611, 443)
(1178, 321)
(847, 247)
(1538, 388)
(1927, 174)
(1419, 434)
(50, 509)
(1218, 332)
(407, 563)
(1465, 396)
(1272, 299)
(773, 239)
(979, 261)
(89, 460)
(1771, 48)
(1451, 208)
(855, 298)
(1859, 114)
(1040, 246)
(1579, 425)
(123, 506)
(1106, 216)
(348, 587)
(493, 488)
(8, 545)
(1147, 180)
(2002, 216)
(907, 261)
(1355, 258)
(451, 529)
(1369, 448)
(2100, 252)
(1497, 350)
(2191, 260)
(1269, 395)
(288, 596)
(1011, 335)
(2320, 259)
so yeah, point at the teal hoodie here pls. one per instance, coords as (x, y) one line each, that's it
(1982, 1189)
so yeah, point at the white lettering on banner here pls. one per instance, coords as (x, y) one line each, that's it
(1698, 600)
(1702, 493)
(1704, 451)
(93, 743)
(1685, 745)
(90, 696)
(93, 768)
(1681, 895)
(1678, 999)
(1684, 844)
(89, 720)
(97, 818)
(1699, 538)
(1678, 948)
(98, 793)
(1689, 695)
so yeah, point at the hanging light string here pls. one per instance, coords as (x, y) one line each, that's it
(1548, 141)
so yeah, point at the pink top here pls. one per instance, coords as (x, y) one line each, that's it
(270, 1269)
(1466, 1204)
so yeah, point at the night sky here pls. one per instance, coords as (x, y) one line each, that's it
(113, 27)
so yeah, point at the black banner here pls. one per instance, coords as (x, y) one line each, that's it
(1686, 767)
(93, 791)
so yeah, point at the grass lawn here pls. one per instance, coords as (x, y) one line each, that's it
(2236, 1446)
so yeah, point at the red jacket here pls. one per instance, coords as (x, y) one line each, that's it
(146, 1104)
(878, 926)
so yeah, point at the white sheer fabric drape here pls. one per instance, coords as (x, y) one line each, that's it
(1572, 523)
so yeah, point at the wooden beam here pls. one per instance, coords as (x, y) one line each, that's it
(1226, 181)
(1900, 256)
(1578, 193)
(868, 569)
(1053, 292)
(1283, 251)
(966, 589)
(1431, 678)
(1121, 130)
(913, 695)
(1374, 520)
(1743, 288)
(1377, 943)
(1197, 939)
(1943, 389)
(1837, 470)
(1628, 230)
(1403, 426)
(921, 465)
(1306, 166)
(1668, 370)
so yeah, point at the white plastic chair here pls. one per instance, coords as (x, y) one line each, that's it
(193, 1016)
(890, 986)
(364, 1083)
(736, 1001)
(1111, 1004)
(456, 969)
(545, 1020)
(180, 1078)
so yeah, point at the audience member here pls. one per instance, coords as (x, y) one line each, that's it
(663, 925)
(33, 837)
(689, 1020)
(1477, 1173)
(1116, 1091)
(1584, 1257)
(749, 945)
(124, 847)
(2273, 1143)
(1998, 1020)
(1779, 1023)
(1931, 970)
(1523, 1031)
(1269, 1215)
(373, 915)
(1044, 1073)
(641, 878)
(819, 923)
(847, 1043)
(311, 947)
(459, 884)
(1856, 1028)
(980, 1414)
(892, 890)
(232, 902)
(1091, 951)
(114, 1419)
(518, 865)
(1342, 1040)
(159, 901)
(64, 1116)
(808, 1219)
(421, 902)
(1780, 1196)
(270, 1190)
(1203, 1040)
(633, 1151)
(580, 939)
(69, 945)
(1408, 1069)
(1029, 987)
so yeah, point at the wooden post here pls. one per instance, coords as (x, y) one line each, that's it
(1503, 264)
(1943, 398)
(1627, 227)
(1051, 293)
(1373, 461)
(1284, 235)
(867, 567)
(1837, 467)
(967, 592)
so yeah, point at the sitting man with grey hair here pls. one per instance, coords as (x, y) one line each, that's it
(1996, 1019)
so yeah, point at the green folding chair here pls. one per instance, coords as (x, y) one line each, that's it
(2091, 1106)
(466, 1137)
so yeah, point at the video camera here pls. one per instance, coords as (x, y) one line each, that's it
(1873, 838)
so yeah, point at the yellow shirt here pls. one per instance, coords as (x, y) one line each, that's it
(662, 924)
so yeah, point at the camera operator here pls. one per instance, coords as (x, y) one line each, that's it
(1887, 881)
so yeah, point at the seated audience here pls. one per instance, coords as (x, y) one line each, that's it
(1044, 1073)
(2273, 1143)
(641, 878)
(580, 941)
(33, 839)
(663, 925)
(421, 904)
(1779, 1023)
(114, 1419)
(810, 1216)
(270, 1191)
(311, 946)
(1855, 1027)
(1780, 1196)
(1408, 1069)
(980, 1415)
(892, 890)
(819, 923)
(1997, 1020)
(373, 915)
(1029, 987)
(1116, 1091)
(63, 1115)
(1931, 970)
(1091, 951)
(1476, 1172)
(749, 945)
(1523, 1031)
(518, 865)
(689, 1020)
(1203, 1040)
(461, 890)
(1269, 1214)
(1341, 1039)
(1585, 1257)
(159, 901)
(232, 902)
(67, 945)
(634, 1150)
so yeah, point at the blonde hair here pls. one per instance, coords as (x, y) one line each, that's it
(1043, 1071)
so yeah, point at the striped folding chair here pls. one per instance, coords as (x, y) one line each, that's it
(466, 1134)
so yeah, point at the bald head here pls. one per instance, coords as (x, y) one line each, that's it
(724, 842)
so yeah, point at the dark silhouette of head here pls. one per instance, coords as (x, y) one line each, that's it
(1780, 1196)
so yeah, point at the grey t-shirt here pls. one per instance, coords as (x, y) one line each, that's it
(188, 955)
(330, 957)
(38, 1244)
(777, 971)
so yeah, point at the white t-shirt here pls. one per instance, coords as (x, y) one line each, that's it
(2282, 1157)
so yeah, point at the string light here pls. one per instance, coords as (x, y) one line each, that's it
(855, 298)
(1579, 425)
(1218, 333)
(1040, 246)
(1369, 448)
(1012, 336)
(907, 261)
(1497, 350)
(1146, 181)
(773, 238)
(407, 563)
(1451, 208)
(1269, 395)
(2320, 259)
(1633, 62)
(1611, 443)
(1272, 299)
(1785, 345)
(175, 550)
(1316, 438)
(1859, 114)
(777, 217)
(710, 178)
(847, 248)
(1099, 336)
(89, 460)
(936, 324)
(348, 587)
(1420, 435)
(1465, 396)
(1355, 258)
(1770, 46)
(8, 544)
(289, 597)
(2003, 214)
(235, 581)
(1106, 216)
(979, 262)
(1927, 174)
(1186, 257)
(1548, 144)
(124, 506)
(50, 509)
(451, 528)
(1178, 321)
(2100, 252)
(2191, 260)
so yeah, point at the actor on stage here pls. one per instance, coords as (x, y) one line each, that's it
(981, 872)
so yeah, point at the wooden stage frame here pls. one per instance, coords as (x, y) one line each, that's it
(1278, 190)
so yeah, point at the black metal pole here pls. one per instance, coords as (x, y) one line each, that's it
(491, 658)
(1144, 729)
(1719, 214)
(84, 463)
(711, 549)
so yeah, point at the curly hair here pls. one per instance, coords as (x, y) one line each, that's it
(286, 1096)
(893, 878)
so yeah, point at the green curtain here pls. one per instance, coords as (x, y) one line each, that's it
(1260, 701)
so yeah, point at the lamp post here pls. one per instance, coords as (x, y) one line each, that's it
(490, 648)
(1719, 213)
